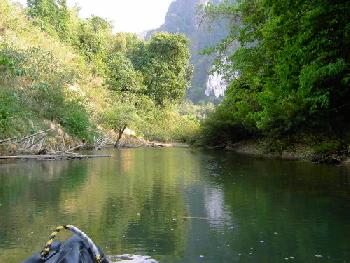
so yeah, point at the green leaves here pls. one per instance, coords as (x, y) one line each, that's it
(121, 114)
(165, 67)
(34, 80)
(293, 65)
(7, 106)
(158, 68)
(50, 15)
(121, 75)
(75, 119)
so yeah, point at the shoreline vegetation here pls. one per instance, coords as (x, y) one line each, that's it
(33, 147)
(287, 151)
(43, 146)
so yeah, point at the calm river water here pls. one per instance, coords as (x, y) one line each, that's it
(180, 205)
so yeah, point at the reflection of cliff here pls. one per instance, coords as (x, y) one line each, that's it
(182, 17)
(217, 212)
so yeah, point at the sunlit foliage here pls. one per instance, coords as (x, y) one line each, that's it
(57, 67)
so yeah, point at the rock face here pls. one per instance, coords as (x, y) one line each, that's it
(183, 17)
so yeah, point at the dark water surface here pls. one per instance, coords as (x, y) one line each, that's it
(181, 205)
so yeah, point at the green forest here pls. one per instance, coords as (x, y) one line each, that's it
(288, 80)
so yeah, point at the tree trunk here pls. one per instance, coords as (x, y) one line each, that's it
(120, 134)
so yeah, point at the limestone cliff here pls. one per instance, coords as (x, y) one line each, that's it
(183, 17)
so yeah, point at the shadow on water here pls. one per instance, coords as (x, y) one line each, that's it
(180, 205)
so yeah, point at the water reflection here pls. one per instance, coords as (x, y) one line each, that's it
(217, 213)
(180, 205)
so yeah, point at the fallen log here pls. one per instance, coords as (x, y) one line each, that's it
(52, 157)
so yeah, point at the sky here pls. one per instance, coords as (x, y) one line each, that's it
(126, 15)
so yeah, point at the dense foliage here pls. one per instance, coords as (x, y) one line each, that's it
(58, 68)
(291, 72)
(164, 61)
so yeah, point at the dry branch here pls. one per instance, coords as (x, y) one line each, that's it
(32, 135)
(8, 140)
(70, 150)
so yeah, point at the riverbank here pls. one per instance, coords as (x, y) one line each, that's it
(290, 151)
(130, 141)
(55, 144)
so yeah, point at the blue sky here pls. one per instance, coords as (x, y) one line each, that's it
(127, 15)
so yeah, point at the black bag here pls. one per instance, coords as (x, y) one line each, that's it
(78, 249)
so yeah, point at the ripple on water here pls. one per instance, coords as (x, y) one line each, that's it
(126, 258)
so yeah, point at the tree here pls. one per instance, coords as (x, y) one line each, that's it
(125, 43)
(121, 75)
(51, 15)
(164, 62)
(94, 38)
(120, 115)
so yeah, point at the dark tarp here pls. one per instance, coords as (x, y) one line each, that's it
(74, 250)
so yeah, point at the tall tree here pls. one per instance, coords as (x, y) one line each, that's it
(94, 38)
(51, 15)
(165, 64)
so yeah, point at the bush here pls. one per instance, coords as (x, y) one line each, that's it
(13, 115)
(327, 147)
(7, 111)
(37, 81)
(167, 124)
(75, 119)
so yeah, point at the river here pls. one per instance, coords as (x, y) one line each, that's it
(180, 205)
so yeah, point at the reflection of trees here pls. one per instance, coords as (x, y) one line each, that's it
(130, 195)
(293, 199)
(29, 197)
(135, 202)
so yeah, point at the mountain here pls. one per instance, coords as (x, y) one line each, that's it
(183, 17)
